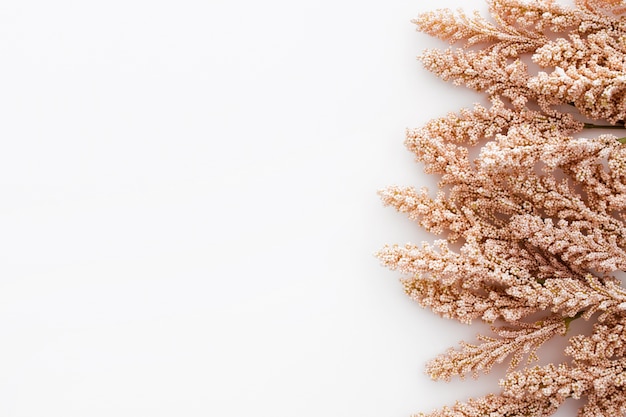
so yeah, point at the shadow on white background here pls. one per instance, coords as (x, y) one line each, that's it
(189, 209)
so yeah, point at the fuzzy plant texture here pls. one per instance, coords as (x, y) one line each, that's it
(533, 230)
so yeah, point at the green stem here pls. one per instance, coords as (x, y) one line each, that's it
(592, 126)
(568, 320)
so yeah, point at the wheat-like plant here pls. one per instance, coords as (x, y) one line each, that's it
(539, 215)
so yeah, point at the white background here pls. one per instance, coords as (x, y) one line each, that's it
(188, 209)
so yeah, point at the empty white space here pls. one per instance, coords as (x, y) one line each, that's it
(188, 209)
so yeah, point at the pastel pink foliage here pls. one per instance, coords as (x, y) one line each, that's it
(539, 216)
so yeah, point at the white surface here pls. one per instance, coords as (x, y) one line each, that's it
(189, 209)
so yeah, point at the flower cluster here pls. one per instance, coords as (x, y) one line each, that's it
(539, 215)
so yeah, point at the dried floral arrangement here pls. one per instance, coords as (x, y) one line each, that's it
(539, 216)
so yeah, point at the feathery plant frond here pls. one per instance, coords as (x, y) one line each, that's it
(539, 215)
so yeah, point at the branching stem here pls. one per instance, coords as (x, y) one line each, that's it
(593, 126)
